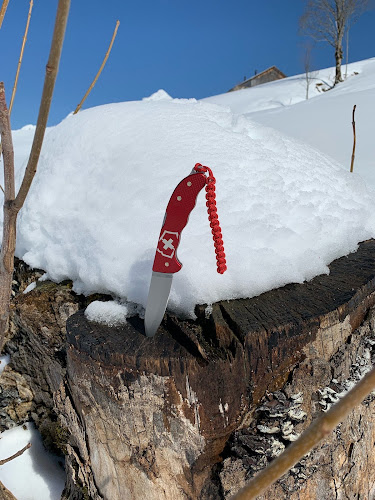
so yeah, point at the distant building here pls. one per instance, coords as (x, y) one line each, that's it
(266, 76)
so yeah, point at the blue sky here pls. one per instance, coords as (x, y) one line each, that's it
(190, 49)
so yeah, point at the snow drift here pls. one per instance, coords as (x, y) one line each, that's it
(105, 176)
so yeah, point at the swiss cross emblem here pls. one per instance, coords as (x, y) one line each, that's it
(167, 245)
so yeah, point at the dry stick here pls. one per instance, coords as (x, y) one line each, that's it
(2, 462)
(13, 205)
(20, 58)
(100, 69)
(3, 10)
(45, 104)
(320, 428)
(18, 69)
(354, 139)
(5, 494)
(10, 217)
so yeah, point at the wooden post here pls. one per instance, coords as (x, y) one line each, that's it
(354, 139)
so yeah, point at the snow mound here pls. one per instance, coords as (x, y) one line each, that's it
(110, 313)
(105, 177)
(160, 95)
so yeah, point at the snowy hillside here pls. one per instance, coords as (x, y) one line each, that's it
(106, 174)
(324, 120)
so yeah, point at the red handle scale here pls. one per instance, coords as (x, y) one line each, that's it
(176, 217)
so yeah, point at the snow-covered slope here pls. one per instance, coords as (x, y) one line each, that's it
(106, 174)
(324, 120)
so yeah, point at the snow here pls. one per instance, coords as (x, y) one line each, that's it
(324, 120)
(4, 360)
(287, 204)
(30, 287)
(287, 210)
(35, 475)
(110, 313)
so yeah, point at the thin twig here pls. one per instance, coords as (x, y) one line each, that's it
(20, 58)
(100, 69)
(18, 69)
(45, 104)
(3, 10)
(319, 429)
(354, 139)
(5, 460)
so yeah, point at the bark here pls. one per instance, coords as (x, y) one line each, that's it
(158, 413)
(338, 59)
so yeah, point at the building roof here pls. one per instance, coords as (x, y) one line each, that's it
(269, 70)
(258, 75)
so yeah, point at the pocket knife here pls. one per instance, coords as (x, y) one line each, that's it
(166, 263)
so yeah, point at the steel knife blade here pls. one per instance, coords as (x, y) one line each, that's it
(166, 263)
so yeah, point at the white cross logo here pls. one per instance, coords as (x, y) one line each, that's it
(168, 244)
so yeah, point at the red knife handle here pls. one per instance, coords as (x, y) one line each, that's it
(176, 217)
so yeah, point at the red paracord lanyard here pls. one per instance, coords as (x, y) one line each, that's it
(213, 217)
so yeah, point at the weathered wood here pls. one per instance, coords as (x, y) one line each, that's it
(131, 394)
(149, 418)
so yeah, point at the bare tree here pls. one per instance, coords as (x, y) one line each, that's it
(309, 74)
(13, 202)
(328, 20)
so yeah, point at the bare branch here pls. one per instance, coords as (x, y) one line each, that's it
(354, 139)
(49, 84)
(7, 144)
(5, 494)
(20, 58)
(3, 11)
(19, 453)
(10, 216)
(100, 69)
(18, 70)
(12, 204)
(319, 429)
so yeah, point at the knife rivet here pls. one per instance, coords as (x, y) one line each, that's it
(189, 183)
(179, 198)
(166, 264)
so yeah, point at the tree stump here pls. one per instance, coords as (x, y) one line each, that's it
(150, 418)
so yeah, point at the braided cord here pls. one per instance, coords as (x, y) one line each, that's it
(213, 217)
